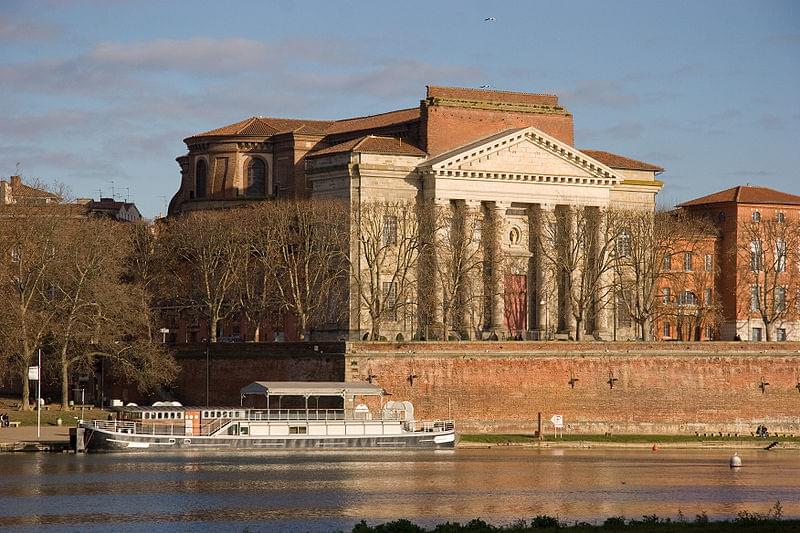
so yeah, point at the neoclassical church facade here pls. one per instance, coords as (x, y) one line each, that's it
(508, 155)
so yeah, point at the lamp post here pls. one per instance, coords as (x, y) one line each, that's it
(545, 303)
(163, 332)
(207, 370)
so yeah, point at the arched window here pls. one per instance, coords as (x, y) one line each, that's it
(256, 178)
(200, 175)
(756, 216)
(780, 218)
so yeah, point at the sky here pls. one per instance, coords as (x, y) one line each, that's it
(98, 95)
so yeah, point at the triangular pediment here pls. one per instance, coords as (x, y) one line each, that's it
(523, 153)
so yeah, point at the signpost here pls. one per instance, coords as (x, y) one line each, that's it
(558, 423)
(34, 374)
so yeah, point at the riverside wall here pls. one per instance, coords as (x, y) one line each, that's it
(502, 386)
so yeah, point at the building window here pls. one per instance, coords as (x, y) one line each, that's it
(721, 216)
(780, 218)
(780, 255)
(709, 333)
(756, 216)
(755, 256)
(707, 296)
(624, 243)
(780, 298)
(687, 261)
(256, 178)
(755, 298)
(666, 330)
(390, 229)
(665, 295)
(390, 299)
(708, 263)
(780, 334)
(200, 178)
(755, 335)
(666, 266)
(687, 298)
(624, 316)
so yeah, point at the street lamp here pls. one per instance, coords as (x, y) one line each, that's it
(163, 332)
(545, 303)
(207, 371)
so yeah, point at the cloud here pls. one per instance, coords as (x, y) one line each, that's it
(14, 29)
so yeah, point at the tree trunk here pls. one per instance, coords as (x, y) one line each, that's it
(212, 329)
(26, 390)
(64, 381)
(578, 332)
(257, 333)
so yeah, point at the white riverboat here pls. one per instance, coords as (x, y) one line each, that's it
(294, 415)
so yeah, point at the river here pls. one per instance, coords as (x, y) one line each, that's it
(333, 490)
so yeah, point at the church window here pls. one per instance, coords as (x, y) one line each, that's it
(780, 218)
(665, 295)
(708, 263)
(667, 263)
(200, 178)
(390, 299)
(687, 261)
(756, 216)
(256, 178)
(755, 256)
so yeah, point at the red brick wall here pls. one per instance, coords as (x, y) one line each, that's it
(501, 386)
(446, 127)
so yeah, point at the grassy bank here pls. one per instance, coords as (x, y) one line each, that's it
(50, 414)
(770, 521)
(644, 439)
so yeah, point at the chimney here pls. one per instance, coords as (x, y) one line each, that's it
(16, 181)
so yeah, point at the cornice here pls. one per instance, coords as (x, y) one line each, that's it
(496, 106)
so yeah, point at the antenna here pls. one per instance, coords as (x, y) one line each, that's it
(19, 167)
(100, 194)
(113, 194)
(127, 193)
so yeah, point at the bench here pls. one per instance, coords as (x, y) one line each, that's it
(14, 424)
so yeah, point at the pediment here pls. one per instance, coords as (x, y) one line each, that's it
(523, 154)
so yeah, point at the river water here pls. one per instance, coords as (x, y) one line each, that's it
(333, 490)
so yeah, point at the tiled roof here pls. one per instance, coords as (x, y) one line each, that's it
(746, 194)
(374, 121)
(619, 161)
(31, 192)
(266, 126)
(373, 144)
(489, 95)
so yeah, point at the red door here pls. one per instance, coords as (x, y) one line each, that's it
(516, 303)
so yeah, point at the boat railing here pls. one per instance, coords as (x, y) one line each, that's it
(296, 414)
(429, 426)
(139, 428)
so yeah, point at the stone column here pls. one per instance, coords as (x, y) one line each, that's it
(602, 321)
(469, 292)
(546, 298)
(572, 213)
(497, 213)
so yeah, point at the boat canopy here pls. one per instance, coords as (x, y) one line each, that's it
(311, 388)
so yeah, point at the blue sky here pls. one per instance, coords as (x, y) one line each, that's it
(98, 94)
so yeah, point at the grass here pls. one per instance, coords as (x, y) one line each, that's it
(50, 414)
(652, 439)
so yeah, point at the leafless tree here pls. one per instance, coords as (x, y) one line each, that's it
(310, 254)
(383, 264)
(768, 277)
(206, 250)
(28, 245)
(578, 246)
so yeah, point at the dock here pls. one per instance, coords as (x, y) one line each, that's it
(23, 439)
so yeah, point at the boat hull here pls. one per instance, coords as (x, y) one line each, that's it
(99, 440)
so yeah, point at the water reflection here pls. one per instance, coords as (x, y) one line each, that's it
(324, 491)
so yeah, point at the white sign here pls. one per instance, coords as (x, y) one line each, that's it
(558, 421)
(33, 373)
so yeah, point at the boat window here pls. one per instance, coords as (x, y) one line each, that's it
(146, 416)
(244, 430)
(180, 415)
(205, 414)
(172, 415)
(297, 430)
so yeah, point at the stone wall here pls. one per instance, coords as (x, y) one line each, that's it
(502, 386)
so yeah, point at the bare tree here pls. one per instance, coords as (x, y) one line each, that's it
(28, 244)
(578, 246)
(768, 278)
(206, 251)
(383, 266)
(643, 242)
(311, 264)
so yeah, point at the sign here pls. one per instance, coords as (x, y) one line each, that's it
(33, 373)
(558, 421)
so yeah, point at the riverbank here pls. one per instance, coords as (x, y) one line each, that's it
(733, 442)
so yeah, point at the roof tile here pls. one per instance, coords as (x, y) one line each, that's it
(745, 194)
(619, 161)
(373, 144)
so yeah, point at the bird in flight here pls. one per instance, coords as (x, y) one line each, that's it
(489, 19)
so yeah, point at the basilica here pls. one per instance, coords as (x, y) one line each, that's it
(509, 156)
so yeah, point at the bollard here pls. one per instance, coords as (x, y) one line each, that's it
(735, 461)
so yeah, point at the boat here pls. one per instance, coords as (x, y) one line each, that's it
(310, 415)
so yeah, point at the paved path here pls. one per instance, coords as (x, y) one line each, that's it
(28, 434)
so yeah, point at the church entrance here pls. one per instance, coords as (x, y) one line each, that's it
(516, 304)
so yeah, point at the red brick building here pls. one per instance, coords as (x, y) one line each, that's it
(758, 256)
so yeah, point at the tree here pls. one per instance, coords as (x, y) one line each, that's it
(28, 245)
(310, 239)
(578, 246)
(768, 277)
(206, 252)
(383, 266)
(643, 242)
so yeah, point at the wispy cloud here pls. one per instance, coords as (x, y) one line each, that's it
(15, 29)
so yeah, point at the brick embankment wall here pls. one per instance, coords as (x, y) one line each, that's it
(657, 388)
(502, 386)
